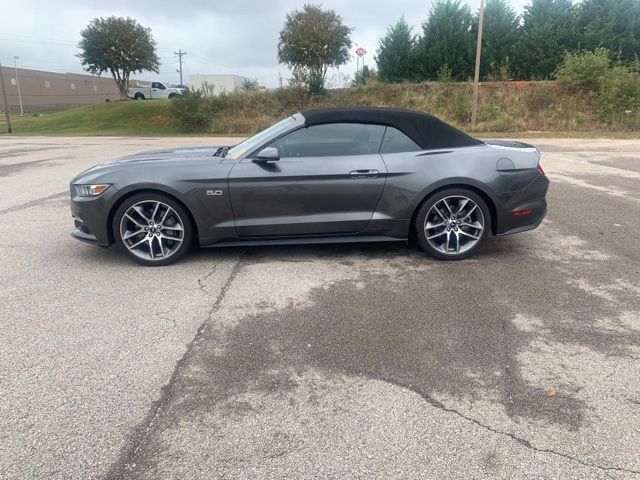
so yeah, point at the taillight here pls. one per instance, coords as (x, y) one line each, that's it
(540, 170)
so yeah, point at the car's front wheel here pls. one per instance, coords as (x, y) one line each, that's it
(153, 229)
(453, 224)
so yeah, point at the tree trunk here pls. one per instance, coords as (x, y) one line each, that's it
(126, 83)
(123, 86)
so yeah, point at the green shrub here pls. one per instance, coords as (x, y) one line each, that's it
(249, 85)
(613, 88)
(445, 74)
(192, 111)
(584, 71)
(461, 106)
(619, 94)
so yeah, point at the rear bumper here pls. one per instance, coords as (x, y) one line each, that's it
(529, 226)
(525, 209)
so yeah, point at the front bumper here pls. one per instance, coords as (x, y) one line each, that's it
(91, 217)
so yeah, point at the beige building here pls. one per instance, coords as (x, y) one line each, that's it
(42, 90)
(216, 84)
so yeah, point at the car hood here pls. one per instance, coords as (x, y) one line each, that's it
(169, 154)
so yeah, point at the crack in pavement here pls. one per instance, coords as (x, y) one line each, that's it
(522, 441)
(33, 203)
(126, 460)
(161, 316)
(202, 281)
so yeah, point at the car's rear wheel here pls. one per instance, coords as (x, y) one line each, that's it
(153, 229)
(453, 224)
(138, 96)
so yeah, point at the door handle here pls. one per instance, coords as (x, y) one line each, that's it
(364, 173)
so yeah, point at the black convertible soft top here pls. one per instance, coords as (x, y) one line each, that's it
(424, 129)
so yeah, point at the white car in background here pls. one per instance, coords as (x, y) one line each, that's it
(155, 90)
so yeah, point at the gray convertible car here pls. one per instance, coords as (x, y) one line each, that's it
(319, 176)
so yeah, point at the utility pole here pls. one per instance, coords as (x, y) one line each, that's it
(6, 103)
(15, 66)
(476, 78)
(180, 54)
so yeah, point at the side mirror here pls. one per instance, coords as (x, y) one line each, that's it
(268, 154)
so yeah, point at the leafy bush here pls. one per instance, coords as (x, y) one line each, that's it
(445, 74)
(584, 71)
(613, 88)
(620, 93)
(461, 106)
(192, 111)
(208, 89)
(363, 76)
(249, 85)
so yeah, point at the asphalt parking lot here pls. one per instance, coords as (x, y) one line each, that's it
(365, 361)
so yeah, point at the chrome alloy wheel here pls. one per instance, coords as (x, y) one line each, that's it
(151, 230)
(454, 225)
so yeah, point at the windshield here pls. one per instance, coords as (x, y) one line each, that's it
(252, 142)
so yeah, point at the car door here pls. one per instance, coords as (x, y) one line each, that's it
(328, 180)
(157, 90)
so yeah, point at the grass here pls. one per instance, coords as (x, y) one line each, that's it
(150, 117)
(505, 109)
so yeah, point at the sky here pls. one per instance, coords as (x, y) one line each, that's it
(220, 36)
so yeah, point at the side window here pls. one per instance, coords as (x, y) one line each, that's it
(331, 139)
(395, 142)
(155, 85)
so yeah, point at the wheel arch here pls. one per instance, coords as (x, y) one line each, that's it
(147, 189)
(457, 184)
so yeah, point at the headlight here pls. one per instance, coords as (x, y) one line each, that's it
(90, 190)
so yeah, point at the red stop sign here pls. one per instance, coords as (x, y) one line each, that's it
(361, 52)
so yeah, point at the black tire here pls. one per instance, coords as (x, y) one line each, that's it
(454, 227)
(138, 96)
(172, 96)
(170, 249)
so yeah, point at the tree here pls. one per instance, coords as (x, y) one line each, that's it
(611, 24)
(446, 40)
(499, 36)
(364, 76)
(548, 31)
(394, 55)
(118, 45)
(312, 41)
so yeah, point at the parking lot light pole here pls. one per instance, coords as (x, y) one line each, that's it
(15, 66)
(6, 103)
(476, 78)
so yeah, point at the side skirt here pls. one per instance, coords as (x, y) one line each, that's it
(306, 241)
